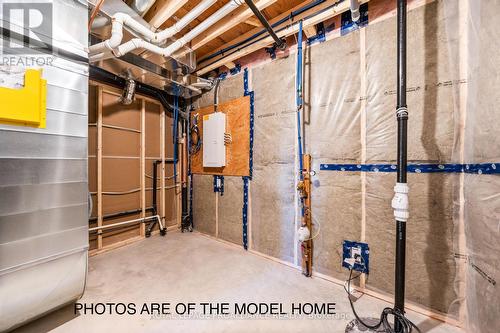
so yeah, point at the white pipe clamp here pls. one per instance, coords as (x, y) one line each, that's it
(400, 202)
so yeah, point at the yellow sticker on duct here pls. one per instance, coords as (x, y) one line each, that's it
(25, 106)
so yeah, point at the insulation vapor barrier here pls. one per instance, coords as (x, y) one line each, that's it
(349, 118)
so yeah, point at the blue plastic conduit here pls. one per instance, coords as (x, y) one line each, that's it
(299, 98)
(300, 105)
(174, 131)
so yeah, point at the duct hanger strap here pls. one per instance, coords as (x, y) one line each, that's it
(402, 112)
(480, 168)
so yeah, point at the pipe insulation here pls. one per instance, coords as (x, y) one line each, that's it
(150, 40)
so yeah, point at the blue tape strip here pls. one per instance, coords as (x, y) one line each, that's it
(481, 168)
(235, 70)
(252, 122)
(245, 212)
(246, 180)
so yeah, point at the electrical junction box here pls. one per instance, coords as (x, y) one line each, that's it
(214, 149)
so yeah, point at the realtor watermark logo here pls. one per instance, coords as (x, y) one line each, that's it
(26, 32)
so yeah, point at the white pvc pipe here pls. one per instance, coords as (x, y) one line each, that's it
(355, 10)
(121, 19)
(97, 50)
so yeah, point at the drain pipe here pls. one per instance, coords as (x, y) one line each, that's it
(280, 43)
(100, 50)
(355, 10)
(120, 19)
(400, 200)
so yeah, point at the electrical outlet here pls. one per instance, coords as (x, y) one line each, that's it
(356, 256)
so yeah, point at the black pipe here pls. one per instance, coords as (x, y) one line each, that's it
(280, 43)
(101, 75)
(402, 119)
(155, 205)
(120, 214)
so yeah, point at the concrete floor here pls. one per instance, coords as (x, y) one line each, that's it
(190, 267)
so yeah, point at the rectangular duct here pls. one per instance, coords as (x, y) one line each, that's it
(43, 171)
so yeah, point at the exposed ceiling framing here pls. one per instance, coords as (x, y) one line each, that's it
(227, 31)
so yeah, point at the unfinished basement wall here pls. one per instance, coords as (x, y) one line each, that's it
(214, 214)
(482, 145)
(349, 118)
(120, 172)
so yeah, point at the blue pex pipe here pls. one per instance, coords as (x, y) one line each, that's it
(299, 98)
(481, 168)
(174, 132)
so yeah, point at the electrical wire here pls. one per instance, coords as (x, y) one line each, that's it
(406, 325)
(195, 144)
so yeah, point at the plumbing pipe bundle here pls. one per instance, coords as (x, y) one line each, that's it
(151, 40)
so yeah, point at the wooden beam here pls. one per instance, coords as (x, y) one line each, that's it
(288, 30)
(236, 17)
(230, 65)
(254, 21)
(143, 166)
(162, 10)
(310, 31)
(99, 167)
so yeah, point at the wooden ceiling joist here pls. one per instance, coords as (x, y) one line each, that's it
(240, 15)
(256, 30)
(288, 30)
(254, 21)
(162, 10)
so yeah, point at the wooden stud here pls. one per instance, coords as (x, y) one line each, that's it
(143, 166)
(363, 92)
(162, 173)
(99, 166)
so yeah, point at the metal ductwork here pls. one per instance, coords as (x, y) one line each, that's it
(142, 6)
(173, 75)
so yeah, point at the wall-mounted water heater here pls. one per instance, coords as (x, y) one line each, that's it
(214, 149)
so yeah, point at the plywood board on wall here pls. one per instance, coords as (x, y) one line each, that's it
(238, 125)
